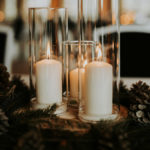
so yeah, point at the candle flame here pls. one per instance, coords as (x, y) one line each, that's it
(48, 51)
(85, 63)
(99, 52)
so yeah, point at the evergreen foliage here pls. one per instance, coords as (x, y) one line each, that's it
(23, 128)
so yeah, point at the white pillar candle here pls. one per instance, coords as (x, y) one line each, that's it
(74, 88)
(98, 88)
(49, 81)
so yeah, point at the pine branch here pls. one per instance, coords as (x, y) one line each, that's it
(32, 114)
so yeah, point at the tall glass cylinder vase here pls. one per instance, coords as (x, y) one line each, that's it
(99, 22)
(47, 31)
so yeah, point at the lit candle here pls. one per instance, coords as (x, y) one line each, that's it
(49, 80)
(98, 88)
(74, 88)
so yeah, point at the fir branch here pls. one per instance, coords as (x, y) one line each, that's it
(32, 114)
(41, 129)
(3, 123)
(17, 97)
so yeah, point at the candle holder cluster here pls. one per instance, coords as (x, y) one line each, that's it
(83, 71)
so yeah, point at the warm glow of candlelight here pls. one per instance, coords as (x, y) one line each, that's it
(127, 18)
(85, 63)
(99, 52)
(2, 16)
(48, 51)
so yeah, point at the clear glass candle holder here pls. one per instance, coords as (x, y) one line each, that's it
(47, 31)
(99, 22)
(74, 73)
(95, 84)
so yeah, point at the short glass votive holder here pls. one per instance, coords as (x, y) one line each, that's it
(47, 31)
(74, 73)
(95, 84)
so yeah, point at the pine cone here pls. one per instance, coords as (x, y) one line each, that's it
(4, 79)
(30, 141)
(3, 122)
(140, 102)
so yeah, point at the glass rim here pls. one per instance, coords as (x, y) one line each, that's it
(47, 8)
(86, 42)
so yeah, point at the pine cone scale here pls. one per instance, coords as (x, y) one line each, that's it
(140, 102)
